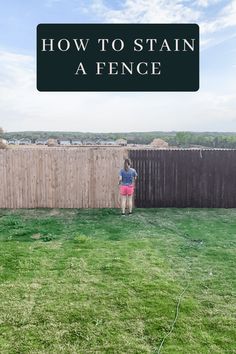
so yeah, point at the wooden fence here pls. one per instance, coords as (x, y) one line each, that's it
(60, 177)
(87, 177)
(185, 178)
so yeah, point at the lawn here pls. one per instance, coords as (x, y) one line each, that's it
(92, 281)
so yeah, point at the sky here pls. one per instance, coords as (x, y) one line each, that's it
(212, 108)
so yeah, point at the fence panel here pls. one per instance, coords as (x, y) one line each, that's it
(60, 177)
(185, 178)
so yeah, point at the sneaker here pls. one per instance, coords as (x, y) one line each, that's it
(123, 214)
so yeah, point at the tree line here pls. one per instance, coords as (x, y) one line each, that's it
(178, 139)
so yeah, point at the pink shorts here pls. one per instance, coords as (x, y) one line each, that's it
(127, 190)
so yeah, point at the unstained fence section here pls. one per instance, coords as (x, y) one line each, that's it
(60, 177)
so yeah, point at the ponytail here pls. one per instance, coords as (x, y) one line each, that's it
(126, 164)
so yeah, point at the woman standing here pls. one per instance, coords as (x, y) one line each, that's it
(127, 178)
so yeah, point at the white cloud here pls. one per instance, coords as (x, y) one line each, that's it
(225, 18)
(22, 107)
(206, 3)
(161, 11)
(172, 11)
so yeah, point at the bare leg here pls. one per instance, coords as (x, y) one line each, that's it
(123, 203)
(130, 203)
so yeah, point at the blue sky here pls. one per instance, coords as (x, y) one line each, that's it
(212, 108)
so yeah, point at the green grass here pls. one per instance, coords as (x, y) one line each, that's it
(91, 281)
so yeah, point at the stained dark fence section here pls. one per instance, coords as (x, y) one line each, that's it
(185, 178)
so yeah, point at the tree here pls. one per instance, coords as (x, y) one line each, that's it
(183, 138)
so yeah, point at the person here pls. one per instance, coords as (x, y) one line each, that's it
(127, 178)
